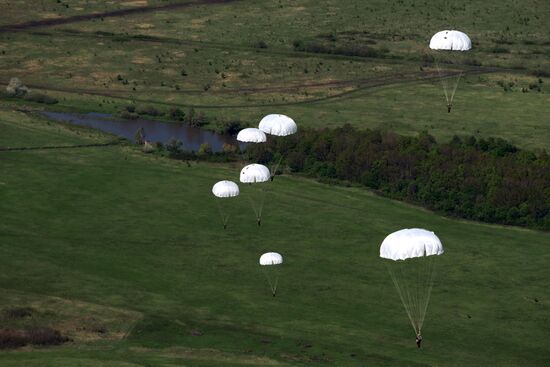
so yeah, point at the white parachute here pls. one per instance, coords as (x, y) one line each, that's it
(270, 262)
(410, 255)
(256, 174)
(449, 41)
(279, 125)
(251, 135)
(223, 190)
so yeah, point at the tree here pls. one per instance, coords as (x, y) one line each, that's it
(205, 149)
(174, 147)
(140, 136)
(16, 88)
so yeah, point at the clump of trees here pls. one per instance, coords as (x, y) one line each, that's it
(489, 180)
(16, 88)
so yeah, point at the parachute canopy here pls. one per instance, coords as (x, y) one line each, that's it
(251, 135)
(279, 125)
(255, 173)
(225, 189)
(451, 41)
(410, 243)
(271, 258)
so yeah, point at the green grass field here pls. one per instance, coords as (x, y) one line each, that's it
(124, 252)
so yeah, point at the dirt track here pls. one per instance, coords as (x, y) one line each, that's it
(361, 85)
(114, 13)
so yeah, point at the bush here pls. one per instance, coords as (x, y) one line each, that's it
(139, 136)
(176, 114)
(148, 147)
(205, 149)
(230, 127)
(11, 338)
(174, 147)
(16, 88)
(18, 312)
(229, 148)
(40, 98)
(149, 110)
(261, 44)
(128, 115)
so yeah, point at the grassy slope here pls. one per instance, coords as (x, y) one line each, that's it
(117, 230)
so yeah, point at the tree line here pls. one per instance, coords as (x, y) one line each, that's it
(488, 180)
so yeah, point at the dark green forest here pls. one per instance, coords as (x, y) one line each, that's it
(489, 179)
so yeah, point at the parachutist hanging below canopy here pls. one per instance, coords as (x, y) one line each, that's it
(410, 255)
(448, 42)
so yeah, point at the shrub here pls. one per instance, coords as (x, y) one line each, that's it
(176, 114)
(128, 115)
(231, 127)
(11, 338)
(149, 110)
(205, 149)
(16, 88)
(174, 147)
(261, 44)
(148, 147)
(139, 137)
(229, 148)
(18, 312)
(40, 98)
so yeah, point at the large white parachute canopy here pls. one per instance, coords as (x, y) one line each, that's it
(225, 189)
(410, 255)
(408, 243)
(279, 125)
(255, 173)
(271, 258)
(269, 262)
(450, 41)
(251, 135)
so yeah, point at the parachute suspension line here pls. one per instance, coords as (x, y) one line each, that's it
(275, 167)
(224, 217)
(443, 81)
(430, 282)
(413, 280)
(257, 202)
(455, 86)
(272, 284)
(402, 295)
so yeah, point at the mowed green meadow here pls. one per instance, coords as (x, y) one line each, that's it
(125, 253)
